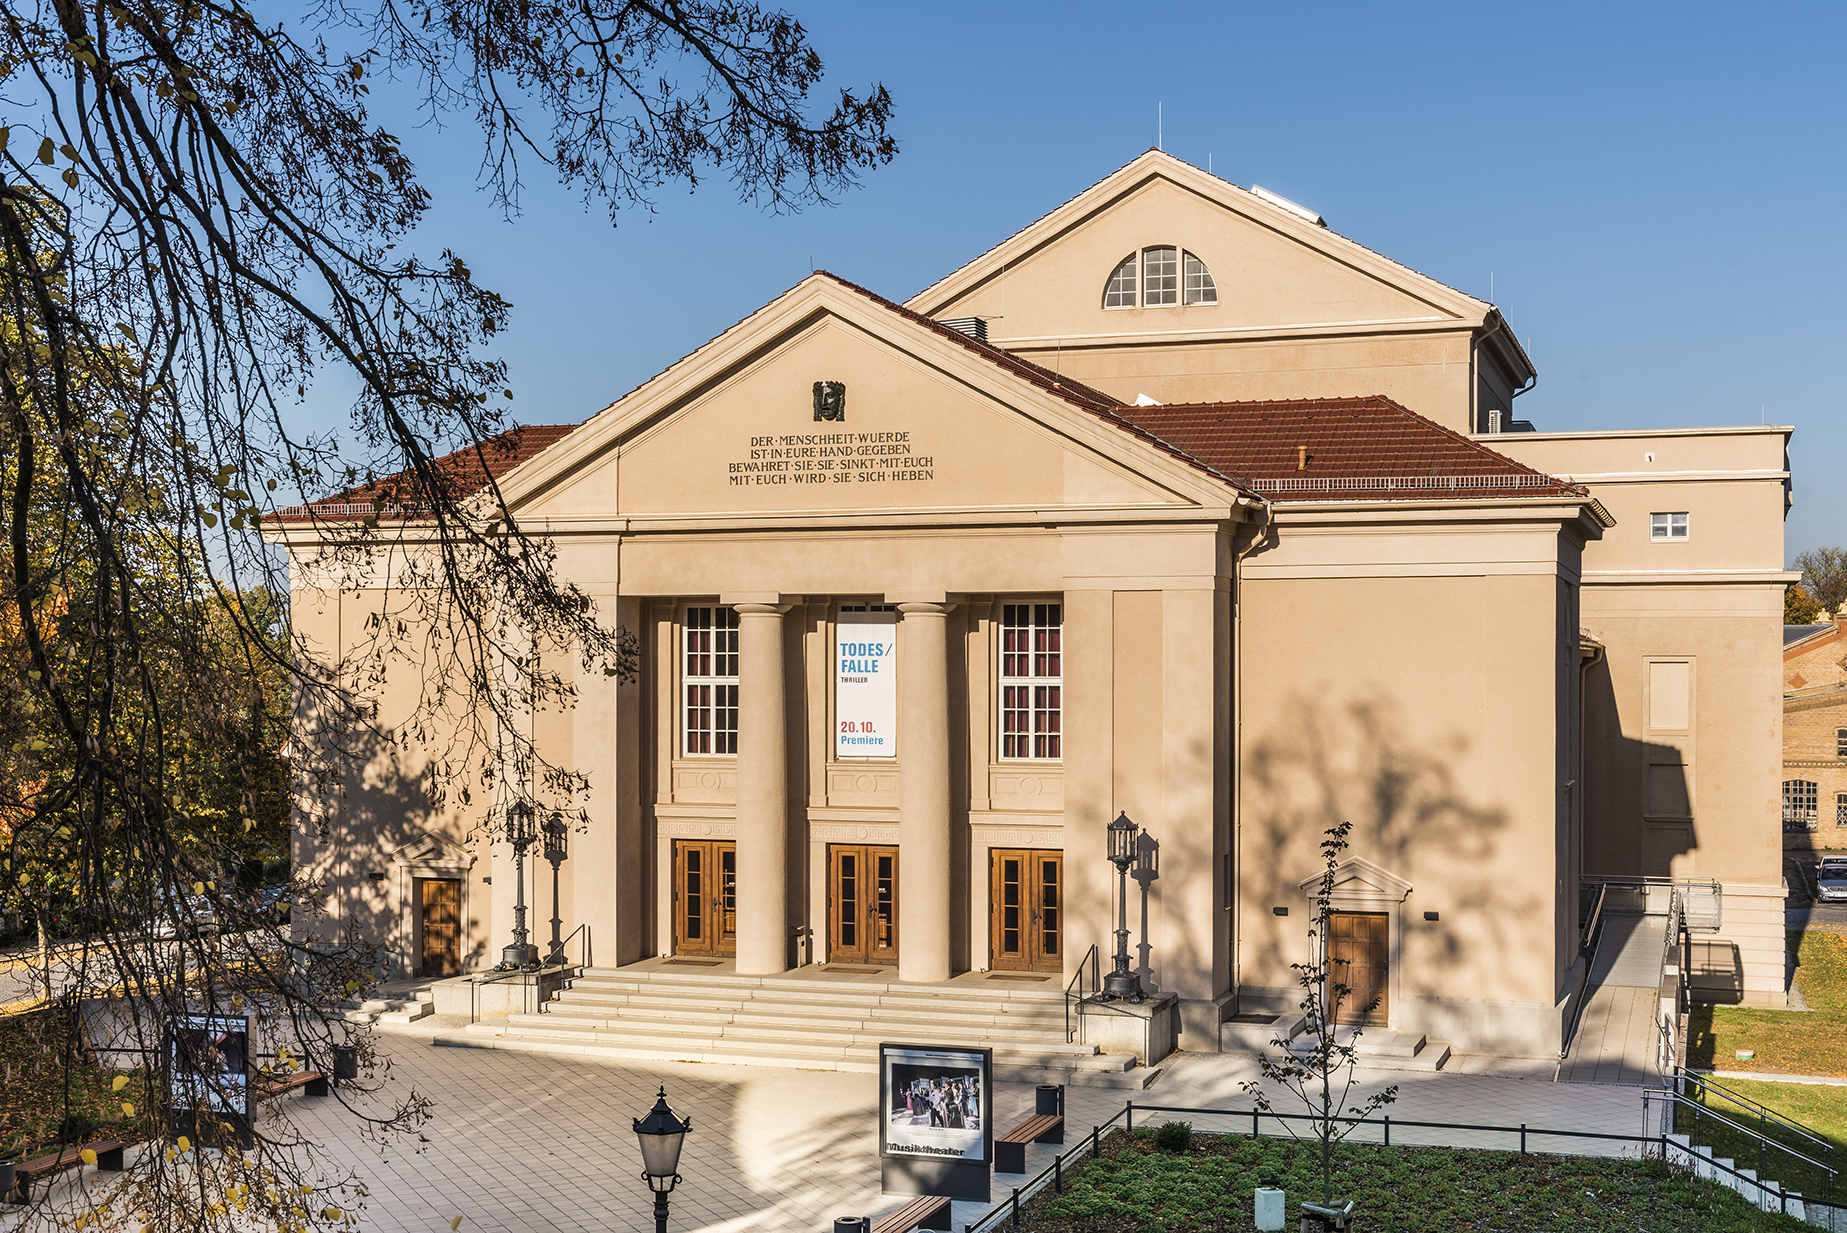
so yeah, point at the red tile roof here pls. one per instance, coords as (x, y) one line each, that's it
(1342, 448)
(1103, 406)
(465, 471)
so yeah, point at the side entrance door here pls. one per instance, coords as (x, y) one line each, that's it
(705, 897)
(862, 903)
(1362, 957)
(1026, 919)
(440, 919)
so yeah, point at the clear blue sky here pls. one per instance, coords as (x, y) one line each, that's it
(1656, 190)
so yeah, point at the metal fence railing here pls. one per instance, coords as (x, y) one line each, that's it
(1766, 1194)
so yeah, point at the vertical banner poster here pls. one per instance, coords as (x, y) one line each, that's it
(865, 684)
(209, 1059)
(936, 1131)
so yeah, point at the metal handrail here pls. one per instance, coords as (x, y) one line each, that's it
(1588, 937)
(1587, 949)
(1764, 1112)
(1763, 1141)
(1053, 1174)
(1093, 963)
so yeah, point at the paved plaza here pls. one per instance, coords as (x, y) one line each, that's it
(539, 1143)
(533, 1143)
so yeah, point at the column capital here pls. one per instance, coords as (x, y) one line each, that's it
(759, 603)
(923, 602)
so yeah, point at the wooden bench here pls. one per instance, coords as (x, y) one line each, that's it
(265, 1086)
(924, 1212)
(1010, 1148)
(108, 1159)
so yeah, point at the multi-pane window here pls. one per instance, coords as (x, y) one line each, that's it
(710, 679)
(1032, 681)
(1161, 276)
(1840, 742)
(1667, 526)
(1120, 293)
(1840, 809)
(1800, 798)
(1200, 289)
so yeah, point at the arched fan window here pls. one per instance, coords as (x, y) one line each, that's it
(1160, 276)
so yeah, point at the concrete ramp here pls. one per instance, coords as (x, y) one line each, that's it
(1618, 1038)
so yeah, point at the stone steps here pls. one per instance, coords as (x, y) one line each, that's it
(389, 1010)
(1768, 1197)
(811, 1022)
(1379, 1048)
(747, 1030)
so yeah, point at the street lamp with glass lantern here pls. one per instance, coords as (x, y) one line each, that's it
(520, 833)
(1122, 983)
(661, 1135)
(555, 852)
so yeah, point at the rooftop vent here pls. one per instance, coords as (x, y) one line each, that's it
(974, 327)
(1283, 203)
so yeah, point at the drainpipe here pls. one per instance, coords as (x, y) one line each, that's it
(1259, 540)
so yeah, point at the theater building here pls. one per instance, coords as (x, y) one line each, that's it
(1176, 504)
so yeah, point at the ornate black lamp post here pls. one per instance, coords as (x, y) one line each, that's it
(661, 1135)
(520, 833)
(1122, 983)
(555, 852)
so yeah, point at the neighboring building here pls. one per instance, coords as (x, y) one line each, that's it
(1199, 534)
(1815, 730)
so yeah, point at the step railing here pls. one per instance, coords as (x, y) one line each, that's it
(1587, 955)
(1008, 1212)
(1091, 965)
(1671, 996)
(1765, 1114)
(1672, 1100)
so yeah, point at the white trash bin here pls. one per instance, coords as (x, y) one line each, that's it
(1270, 1205)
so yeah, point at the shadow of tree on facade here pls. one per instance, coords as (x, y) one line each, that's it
(1423, 809)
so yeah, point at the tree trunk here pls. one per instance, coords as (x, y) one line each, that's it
(44, 954)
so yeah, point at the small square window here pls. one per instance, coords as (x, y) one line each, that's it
(1667, 526)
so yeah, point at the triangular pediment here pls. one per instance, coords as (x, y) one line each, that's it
(1276, 270)
(1357, 877)
(930, 422)
(429, 848)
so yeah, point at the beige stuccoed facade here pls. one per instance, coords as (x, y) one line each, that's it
(1465, 674)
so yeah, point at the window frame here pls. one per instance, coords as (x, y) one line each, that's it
(1042, 745)
(716, 706)
(1840, 809)
(1137, 261)
(1840, 742)
(1655, 526)
(1807, 792)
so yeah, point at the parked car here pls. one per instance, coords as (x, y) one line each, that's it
(187, 916)
(1831, 879)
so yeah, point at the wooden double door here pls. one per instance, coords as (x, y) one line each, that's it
(439, 908)
(1026, 909)
(1360, 948)
(862, 903)
(705, 897)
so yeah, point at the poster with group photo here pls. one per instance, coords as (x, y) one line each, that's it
(936, 1102)
(210, 1060)
(866, 684)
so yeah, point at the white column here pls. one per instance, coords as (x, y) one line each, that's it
(923, 789)
(763, 788)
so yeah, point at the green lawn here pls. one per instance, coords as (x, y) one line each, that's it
(1790, 1042)
(1137, 1186)
(1821, 1109)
